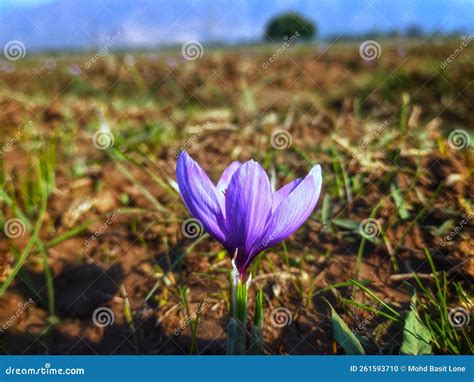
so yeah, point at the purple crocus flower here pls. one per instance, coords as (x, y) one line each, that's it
(241, 211)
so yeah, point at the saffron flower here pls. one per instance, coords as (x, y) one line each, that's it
(241, 211)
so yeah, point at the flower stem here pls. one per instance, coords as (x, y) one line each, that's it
(256, 332)
(236, 331)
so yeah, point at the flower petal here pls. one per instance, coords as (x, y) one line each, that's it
(224, 181)
(283, 192)
(248, 204)
(227, 176)
(293, 210)
(199, 195)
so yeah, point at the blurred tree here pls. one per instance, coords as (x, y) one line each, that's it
(414, 31)
(393, 33)
(287, 24)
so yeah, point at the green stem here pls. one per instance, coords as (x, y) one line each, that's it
(26, 250)
(256, 332)
(237, 328)
(48, 275)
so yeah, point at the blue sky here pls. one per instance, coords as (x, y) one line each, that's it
(22, 3)
(84, 23)
(426, 13)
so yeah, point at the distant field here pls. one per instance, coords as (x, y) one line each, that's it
(88, 191)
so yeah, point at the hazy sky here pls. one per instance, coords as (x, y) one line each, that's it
(80, 23)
